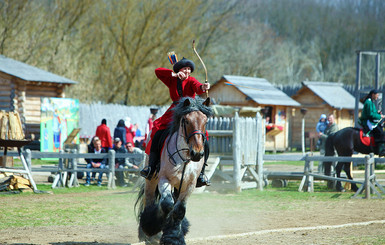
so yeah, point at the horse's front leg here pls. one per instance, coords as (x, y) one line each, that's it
(176, 226)
(166, 200)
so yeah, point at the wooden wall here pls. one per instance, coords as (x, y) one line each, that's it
(27, 99)
(315, 107)
(229, 95)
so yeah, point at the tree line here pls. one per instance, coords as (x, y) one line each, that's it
(112, 47)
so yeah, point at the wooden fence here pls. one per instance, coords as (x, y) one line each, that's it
(307, 177)
(63, 170)
(241, 141)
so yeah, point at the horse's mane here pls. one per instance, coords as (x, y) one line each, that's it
(180, 110)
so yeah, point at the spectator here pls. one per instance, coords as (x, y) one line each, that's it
(120, 131)
(104, 134)
(96, 162)
(139, 138)
(134, 160)
(130, 130)
(119, 162)
(330, 129)
(150, 122)
(137, 156)
(91, 148)
(321, 126)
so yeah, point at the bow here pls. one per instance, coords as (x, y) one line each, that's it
(204, 67)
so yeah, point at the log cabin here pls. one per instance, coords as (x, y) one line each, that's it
(21, 88)
(322, 98)
(275, 106)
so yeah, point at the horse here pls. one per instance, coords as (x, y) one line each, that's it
(347, 141)
(161, 202)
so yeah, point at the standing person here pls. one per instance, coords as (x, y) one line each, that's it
(180, 84)
(119, 162)
(120, 131)
(130, 130)
(331, 128)
(96, 162)
(150, 122)
(104, 134)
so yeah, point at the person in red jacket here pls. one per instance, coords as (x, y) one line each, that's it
(104, 134)
(180, 84)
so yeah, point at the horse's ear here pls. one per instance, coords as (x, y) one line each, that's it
(207, 101)
(186, 103)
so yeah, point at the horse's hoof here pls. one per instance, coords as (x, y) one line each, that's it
(341, 190)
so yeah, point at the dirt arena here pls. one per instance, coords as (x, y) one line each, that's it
(218, 220)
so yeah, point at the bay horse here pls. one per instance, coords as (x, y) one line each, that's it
(161, 203)
(347, 141)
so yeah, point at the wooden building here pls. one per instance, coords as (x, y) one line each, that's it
(21, 88)
(322, 98)
(275, 106)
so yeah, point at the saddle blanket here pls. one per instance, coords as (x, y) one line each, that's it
(367, 140)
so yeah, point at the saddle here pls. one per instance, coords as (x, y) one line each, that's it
(367, 140)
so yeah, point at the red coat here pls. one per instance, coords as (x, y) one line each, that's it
(130, 134)
(104, 134)
(190, 87)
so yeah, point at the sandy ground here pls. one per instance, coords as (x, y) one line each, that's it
(354, 221)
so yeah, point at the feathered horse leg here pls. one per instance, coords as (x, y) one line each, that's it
(176, 226)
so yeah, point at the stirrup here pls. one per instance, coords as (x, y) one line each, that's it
(202, 181)
(146, 173)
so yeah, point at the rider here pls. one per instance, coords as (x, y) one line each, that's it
(370, 117)
(180, 84)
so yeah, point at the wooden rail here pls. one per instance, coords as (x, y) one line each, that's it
(62, 170)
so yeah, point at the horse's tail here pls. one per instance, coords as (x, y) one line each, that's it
(329, 145)
(140, 202)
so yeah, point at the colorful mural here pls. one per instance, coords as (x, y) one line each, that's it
(59, 116)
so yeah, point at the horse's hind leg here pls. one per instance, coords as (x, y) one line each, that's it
(349, 175)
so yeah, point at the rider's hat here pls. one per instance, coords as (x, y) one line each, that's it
(183, 63)
(373, 91)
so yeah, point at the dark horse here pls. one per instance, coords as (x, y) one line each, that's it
(162, 200)
(345, 142)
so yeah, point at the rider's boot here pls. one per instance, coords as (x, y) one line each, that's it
(149, 170)
(202, 179)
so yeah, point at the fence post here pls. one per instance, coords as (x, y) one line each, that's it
(236, 154)
(111, 175)
(260, 150)
(367, 177)
(58, 180)
(311, 177)
(28, 158)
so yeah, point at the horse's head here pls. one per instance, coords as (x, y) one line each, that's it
(192, 116)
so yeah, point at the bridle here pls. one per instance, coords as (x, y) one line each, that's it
(187, 139)
(184, 161)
